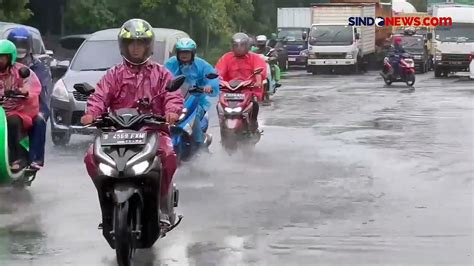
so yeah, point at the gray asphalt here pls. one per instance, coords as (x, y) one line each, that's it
(349, 172)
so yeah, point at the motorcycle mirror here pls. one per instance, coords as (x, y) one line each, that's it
(258, 71)
(24, 72)
(176, 83)
(212, 76)
(84, 88)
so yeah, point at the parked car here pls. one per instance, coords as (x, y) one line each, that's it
(39, 50)
(95, 55)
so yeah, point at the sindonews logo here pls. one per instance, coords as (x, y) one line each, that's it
(401, 21)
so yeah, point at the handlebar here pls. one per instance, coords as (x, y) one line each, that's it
(106, 121)
(13, 94)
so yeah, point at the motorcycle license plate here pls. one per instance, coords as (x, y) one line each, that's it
(234, 96)
(123, 138)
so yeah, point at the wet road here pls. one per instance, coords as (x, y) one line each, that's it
(348, 172)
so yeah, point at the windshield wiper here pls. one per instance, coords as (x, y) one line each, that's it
(95, 69)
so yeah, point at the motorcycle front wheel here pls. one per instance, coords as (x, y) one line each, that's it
(387, 81)
(410, 80)
(123, 234)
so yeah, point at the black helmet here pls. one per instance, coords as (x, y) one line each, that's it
(136, 30)
(240, 44)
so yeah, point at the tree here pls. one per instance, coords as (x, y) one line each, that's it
(14, 10)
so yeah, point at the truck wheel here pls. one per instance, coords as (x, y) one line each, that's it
(437, 72)
(446, 73)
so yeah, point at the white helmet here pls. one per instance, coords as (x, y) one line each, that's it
(261, 38)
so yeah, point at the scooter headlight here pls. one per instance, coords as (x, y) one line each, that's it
(233, 110)
(140, 168)
(183, 114)
(107, 170)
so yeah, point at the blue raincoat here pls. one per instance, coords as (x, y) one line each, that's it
(195, 74)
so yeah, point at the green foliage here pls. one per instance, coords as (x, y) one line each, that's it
(209, 22)
(14, 10)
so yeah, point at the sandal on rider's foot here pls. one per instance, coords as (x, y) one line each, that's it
(36, 165)
(16, 166)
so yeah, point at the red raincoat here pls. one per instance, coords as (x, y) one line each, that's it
(26, 109)
(121, 87)
(231, 67)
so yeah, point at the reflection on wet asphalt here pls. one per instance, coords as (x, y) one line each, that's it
(349, 171)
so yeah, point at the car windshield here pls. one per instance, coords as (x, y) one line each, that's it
(331, 35)
(459, 32)
(413, 42)
(102, 55)
(291, 35)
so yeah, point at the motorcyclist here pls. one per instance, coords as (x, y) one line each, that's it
(262, 48)
(195, 69)
(23, 41)
(20, 112)
(239, 64)
(133, 79)
(395, 54)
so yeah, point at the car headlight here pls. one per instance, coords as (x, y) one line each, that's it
(438, 55)
(233, 110)
(312, 56)
(60, 91)
(140, 168)
(304, 53)
(417, 56)
(348, 56)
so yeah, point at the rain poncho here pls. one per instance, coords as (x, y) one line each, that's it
(26, 109)
(196, 76)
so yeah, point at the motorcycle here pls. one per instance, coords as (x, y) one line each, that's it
(270, 83)
(235, 109)
(184, 142)
(406, 71)
(26, 175)
(128, 178)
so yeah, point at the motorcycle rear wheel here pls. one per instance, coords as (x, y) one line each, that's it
(410, 79)
(123, 234)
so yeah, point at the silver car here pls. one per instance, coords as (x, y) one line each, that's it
(96, 54)
(39, 50)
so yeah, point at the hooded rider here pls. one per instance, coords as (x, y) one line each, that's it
(136, 78)
(23, 41)
(195, 69)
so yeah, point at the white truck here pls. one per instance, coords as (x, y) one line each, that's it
(453, 44)
(333, 43)
(293, 26)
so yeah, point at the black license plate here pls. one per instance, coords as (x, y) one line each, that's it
(123, 138)
(234, 96)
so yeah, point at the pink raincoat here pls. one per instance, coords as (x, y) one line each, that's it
(26, 109)
(121, 87)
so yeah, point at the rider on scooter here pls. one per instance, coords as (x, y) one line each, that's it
(195, 69)
(20, 112)
(262, 48)
(23, 41)
(395, 54)
(125, 84)
(239, 64)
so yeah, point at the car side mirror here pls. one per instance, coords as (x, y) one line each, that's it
(176, 83)
(212, 76)
(429, 35)
(24, 72)
(305, 35)
(84, 88)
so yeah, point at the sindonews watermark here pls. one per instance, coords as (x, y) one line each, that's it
(401, 21)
